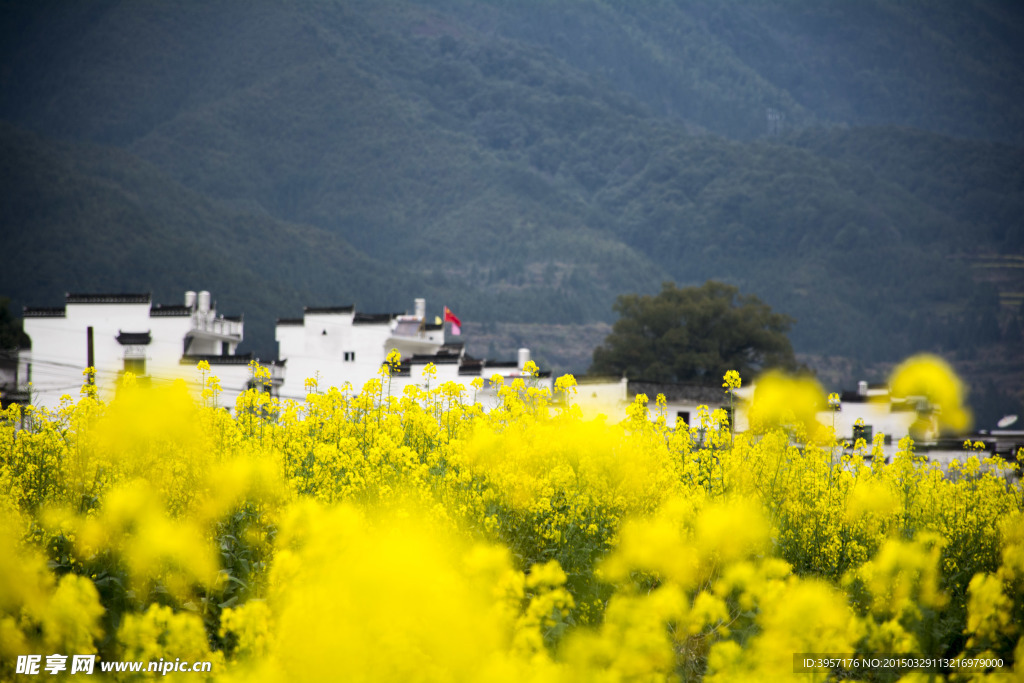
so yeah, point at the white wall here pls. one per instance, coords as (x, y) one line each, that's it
(59, 349)
(876, 414)
(318, 348)
(607, 397)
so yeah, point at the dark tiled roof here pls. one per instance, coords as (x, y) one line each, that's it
(173, 311)
(43, 312)
(107, 298)
(233, 318)
(238, 359)
(134, 338)
(596, 379)
(475, 369)
(374, 318)
(329, 309)
(698, 393)
(501, 364)
(856, 397)
(432, 327)
(10, 395)
(290, 321)
(438, 359)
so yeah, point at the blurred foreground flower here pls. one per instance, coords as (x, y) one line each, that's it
(932, 378)
(784, 401)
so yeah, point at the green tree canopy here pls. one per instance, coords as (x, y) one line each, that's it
(693, 333)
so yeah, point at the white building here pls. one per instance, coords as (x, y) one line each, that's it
(120, 333)
(684, 402)
(871, 410)
(339, 345)
(861, 414)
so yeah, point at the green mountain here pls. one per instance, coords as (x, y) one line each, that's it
(84, 218)
(948, 67)
(850, 163)
(978, 185)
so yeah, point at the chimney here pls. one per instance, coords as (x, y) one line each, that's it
(524, 356)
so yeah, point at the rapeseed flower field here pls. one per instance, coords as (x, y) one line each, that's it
(367, 536)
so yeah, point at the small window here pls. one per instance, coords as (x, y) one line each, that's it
(866, 432)
(265, 387)
(225, 348)
(350, 356)
(682, 419)
(136, 366)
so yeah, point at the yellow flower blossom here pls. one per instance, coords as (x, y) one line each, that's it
(931, 378)
(419, 535)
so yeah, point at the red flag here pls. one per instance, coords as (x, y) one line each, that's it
(450, 317)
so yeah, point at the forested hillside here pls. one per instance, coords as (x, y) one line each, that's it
(523, 162)
(94, 219)
(948, 67)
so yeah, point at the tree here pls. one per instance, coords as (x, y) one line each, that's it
(693, 333)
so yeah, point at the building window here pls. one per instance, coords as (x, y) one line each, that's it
(136, 366)
(682, 418)
(865, 432)
(350, 356)
(225, 348)
(265, 387)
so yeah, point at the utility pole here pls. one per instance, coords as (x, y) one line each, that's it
(90, 359)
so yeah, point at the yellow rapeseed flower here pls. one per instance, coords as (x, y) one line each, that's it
(930, 377)
(782, 400)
